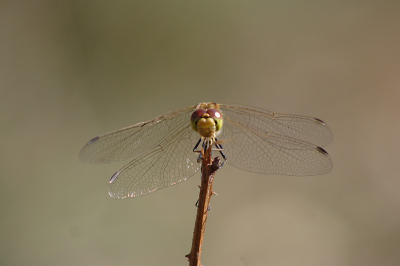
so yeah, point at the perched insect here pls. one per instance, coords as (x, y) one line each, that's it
(163, 148)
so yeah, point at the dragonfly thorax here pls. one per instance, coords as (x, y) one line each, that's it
(206, 121)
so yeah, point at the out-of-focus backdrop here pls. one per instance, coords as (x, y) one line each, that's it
(71, 70)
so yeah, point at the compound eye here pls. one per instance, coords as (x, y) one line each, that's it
(216, 115)
(196, 115)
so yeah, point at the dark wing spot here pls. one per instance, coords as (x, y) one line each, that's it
(114, 177)
(321, 150)
(319, 121)
(93, 140)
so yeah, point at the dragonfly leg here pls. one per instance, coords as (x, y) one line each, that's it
(197, 145)
(220, 149)
(201, 154)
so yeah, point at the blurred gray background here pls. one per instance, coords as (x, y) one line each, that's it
(71, 70)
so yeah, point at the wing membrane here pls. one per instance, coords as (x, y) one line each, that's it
(264, 142)
(127, 142)
(166, 164)
(256, 140)
(307, 129)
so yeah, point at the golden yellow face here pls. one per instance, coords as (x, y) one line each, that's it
(206, 119)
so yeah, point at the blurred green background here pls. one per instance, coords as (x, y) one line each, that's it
(71, 70)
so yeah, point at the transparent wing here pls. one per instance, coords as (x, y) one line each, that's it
(265, 142)
(304, 128)
(127, 142)
(166, 164)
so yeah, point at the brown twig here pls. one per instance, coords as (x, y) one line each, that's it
(208, 169)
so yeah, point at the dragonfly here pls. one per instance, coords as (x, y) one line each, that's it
(163, 149)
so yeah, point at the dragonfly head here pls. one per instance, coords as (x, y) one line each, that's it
(206, 121)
